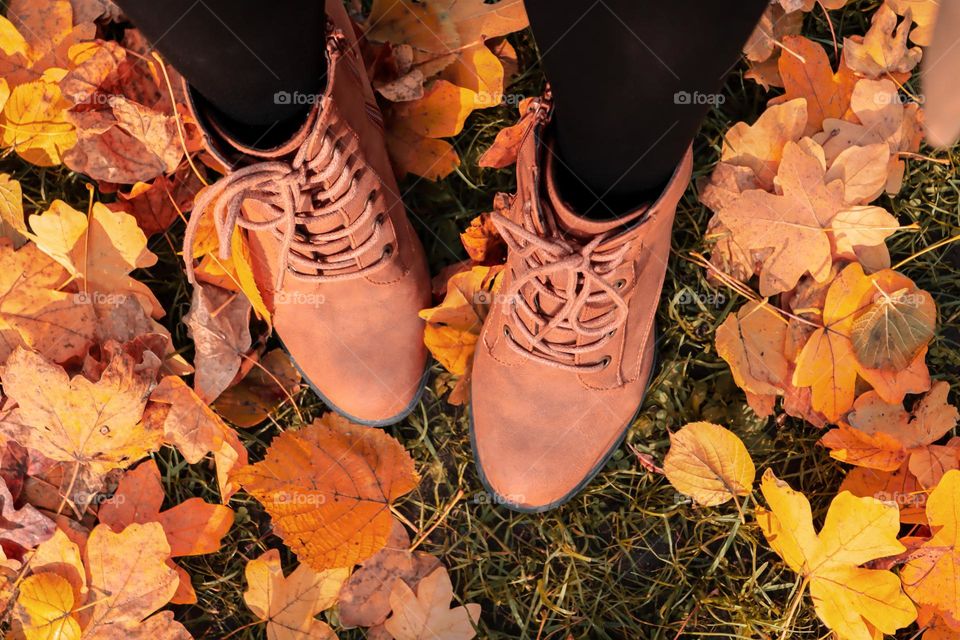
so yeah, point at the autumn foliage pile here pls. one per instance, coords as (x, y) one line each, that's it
(94, 386)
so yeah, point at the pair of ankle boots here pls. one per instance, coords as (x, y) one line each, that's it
(566, 352)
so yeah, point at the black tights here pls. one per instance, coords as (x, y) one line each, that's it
(632, 79)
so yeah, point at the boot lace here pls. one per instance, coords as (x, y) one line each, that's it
(329, 182)
(577, 277)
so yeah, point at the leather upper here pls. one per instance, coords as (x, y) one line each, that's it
(333, 253)
(567, 349)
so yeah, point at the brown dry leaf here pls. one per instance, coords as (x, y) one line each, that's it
(797, 223)
(709, 463)
(931, 579)
(270, 383)
(863, 171)
(826, 363)
(126, 143)
(156, 205)
(899, 322)
(25, 527)
(92, 424)
(850, 600)
(289, 604)
(365, 598)
(807, 74)
(426, 614)
(503, 152)
(34, 310)
(12, 223)
(100, 250)
(884, 435)
(219, 323)
(878, 115)
(924, 14)
(192, 427)
(760, 146)
(482, 241)
(193, 527)
(413, 153)
(883, 50)
(440, 113)
(752, 342)
(899, 486)
(422, 26)
(774, 25)
(328, 488)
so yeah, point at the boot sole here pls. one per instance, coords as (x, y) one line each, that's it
(587, 479)
(352, 418)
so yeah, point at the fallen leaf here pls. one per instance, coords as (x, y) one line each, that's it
(760, 146)
(193, 527)
(365, 597)
(752, 342)
(100, 250)
(932, 579)
(25, 526)
(454, 326)
(924, 14)
(328, 489)
(195, 430)
(35, 124)
(807, 75)
(709, 463)
(883, 50)
(92, 424)
(219, 323)
(851, 600)
(426, 614)
(35, 312)
(899, 486)
(288, 604)
(270, 383)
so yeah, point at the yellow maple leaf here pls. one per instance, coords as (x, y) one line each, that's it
(848, 598)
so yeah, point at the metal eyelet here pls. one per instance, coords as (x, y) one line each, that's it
(506, 331)
(387, 250)
(611, 333)
(605, 362)
(379, 220)
(620, 284)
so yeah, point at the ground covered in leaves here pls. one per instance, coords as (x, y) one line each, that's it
(629, 557)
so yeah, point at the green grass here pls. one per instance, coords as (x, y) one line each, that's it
(627, 558)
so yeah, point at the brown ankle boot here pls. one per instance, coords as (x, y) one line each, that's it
(334, 255)
(567, 349)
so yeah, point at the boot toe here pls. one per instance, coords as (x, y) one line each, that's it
(534, 454)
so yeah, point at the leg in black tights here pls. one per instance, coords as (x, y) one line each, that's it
(615, 67)
(240, 54)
